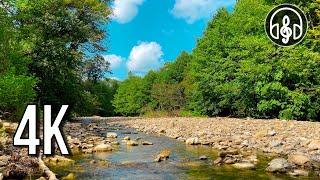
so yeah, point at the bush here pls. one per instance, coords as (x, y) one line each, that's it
(15, 93)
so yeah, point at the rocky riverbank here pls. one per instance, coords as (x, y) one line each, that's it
(295, 145)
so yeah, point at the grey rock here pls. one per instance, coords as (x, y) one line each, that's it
(280, 165)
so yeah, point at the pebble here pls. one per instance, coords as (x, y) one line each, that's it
(203, 157)
(147, 143)
(112, 135)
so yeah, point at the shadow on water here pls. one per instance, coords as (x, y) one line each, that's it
(138, 162)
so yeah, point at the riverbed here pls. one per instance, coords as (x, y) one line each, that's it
(137, 162)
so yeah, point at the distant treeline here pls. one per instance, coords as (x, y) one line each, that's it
(49, 54)
(235, 70)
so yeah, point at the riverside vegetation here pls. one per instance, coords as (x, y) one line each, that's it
(50, 54)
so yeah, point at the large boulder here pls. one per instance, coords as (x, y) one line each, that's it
(280, 165)
(299, 159)
(193, 141)
(102, 148)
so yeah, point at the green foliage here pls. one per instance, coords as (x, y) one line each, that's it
(15, 93)
(239, 72)
(235, 70)
(57, 43)
(97, 98)
(60, 34)
(131, 96)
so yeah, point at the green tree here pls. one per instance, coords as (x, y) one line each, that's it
(62, 35)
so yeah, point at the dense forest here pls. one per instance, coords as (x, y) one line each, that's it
(50, 53)
(235, 70)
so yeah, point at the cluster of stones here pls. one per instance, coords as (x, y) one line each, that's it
(298, 142)
(14, 163)
(93, 138)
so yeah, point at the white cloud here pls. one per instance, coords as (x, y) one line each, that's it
(114, 60)
(144, 57)
(193, 10)
(125, 10)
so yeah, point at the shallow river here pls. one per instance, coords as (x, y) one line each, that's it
(138, 162)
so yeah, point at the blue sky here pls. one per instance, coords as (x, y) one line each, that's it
(144, 34)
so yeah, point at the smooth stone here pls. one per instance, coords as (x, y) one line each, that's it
(116, 143)
(147, 143)
(243, 165)
(298, 159)
(102, 148)
(272, 133)
(278, 165)
(275, 143)
(203, 157)
(127, 138)
(112, 135)
(70, 176)
(314, 145)
(163, 156)
(58, 161)
(192, 141)
(132, 143)
(299, 172)
(218, 161)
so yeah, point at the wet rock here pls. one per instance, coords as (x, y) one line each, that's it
(132, 143)
(116, 143)
(102, 148)
(314, 145)
(203, 157)
(229, 160)
(127, 138)
(299, 159)
(243, 165)
(147, 143)
(163, 156)
(192, 141)
(228, 152)
(218, 161)
(299, 172)
(280, 165)
(112, 135)
(70, 176)
(58, 161)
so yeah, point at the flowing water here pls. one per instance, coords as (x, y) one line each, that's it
(138, 162)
